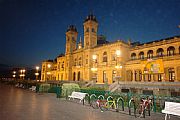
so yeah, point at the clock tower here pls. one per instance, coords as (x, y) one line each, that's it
(71, 38)
(90, 31)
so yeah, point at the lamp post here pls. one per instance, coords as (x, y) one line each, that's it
(14, 74)
(37, 72)
(94, 68)
(118, 65)
(23, 73)
(48, 72)
(20, 74)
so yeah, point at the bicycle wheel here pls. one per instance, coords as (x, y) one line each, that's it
(94, 104)
(139, 111)
(104, 107)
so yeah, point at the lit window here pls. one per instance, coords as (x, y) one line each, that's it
(105, 57)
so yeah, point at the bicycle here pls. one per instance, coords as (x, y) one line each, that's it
(109, 104)
(145, 104)
(97, 103)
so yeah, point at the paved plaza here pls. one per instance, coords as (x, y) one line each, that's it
(21, 104)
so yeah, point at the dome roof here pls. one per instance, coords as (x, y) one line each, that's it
(72, 28)
(90, 17)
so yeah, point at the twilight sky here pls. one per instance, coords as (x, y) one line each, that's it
(34, 30)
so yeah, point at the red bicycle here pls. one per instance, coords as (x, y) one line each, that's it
(143, 106)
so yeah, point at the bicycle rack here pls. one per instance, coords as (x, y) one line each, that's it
(122, 101)
(109, 97)
(101, 96)
(129, 105)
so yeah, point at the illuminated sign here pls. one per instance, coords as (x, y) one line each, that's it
(152, 66)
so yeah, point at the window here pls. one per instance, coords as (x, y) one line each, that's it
(135, 75)
(133, 56)
(113, 57)
(149, 77)
(141, 55)
(73, 38)
(62, 66)
(93, 30)
(105, 57)
(140, 75)
(170, 51)
(159, 77)
(79, 76)
(104, 77)
(75, 60)
(160, 52)
(74, 76)
(150, 54)
(59, 66)
(114, 76)
(87, 29)
(171, 74)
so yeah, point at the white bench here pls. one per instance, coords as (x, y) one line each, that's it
(33, 88)
(171, 108)
(77, 95)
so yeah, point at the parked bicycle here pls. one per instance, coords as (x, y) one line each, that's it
(112, 104)
(97, 102)
(144, 105)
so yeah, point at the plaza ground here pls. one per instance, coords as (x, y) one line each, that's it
(22, 104)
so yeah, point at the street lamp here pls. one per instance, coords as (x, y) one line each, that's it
(14, 74)
(118, 65)
(23, 73)
(37, 72)
(48, 71)
(94, 67)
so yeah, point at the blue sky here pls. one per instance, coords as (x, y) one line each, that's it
(34, 30)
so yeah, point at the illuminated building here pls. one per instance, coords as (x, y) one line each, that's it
(96, 59)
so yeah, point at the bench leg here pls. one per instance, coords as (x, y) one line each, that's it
(169, 116)
(165, 117)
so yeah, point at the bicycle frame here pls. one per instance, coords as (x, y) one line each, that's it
(111, 103)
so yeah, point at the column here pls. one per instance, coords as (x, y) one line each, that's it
(133, 75)
(176, 74)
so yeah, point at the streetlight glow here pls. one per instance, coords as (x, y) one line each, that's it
(49, 65)
(37, 67)
(94, 57)
(118, 53)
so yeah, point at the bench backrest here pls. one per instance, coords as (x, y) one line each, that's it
(78, 95)
(172, 107)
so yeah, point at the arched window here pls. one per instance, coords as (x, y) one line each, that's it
(93, 30)
(133, 56)
(160, 52)
(150, 54)
(141, 55)
(170, 51)
(105, 57)
(74, 76)
(79, 76)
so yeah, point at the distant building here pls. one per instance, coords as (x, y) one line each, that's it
(96, 59)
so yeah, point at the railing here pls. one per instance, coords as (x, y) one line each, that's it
(156, 57)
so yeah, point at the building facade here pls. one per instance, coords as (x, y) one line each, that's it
(96, 59)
